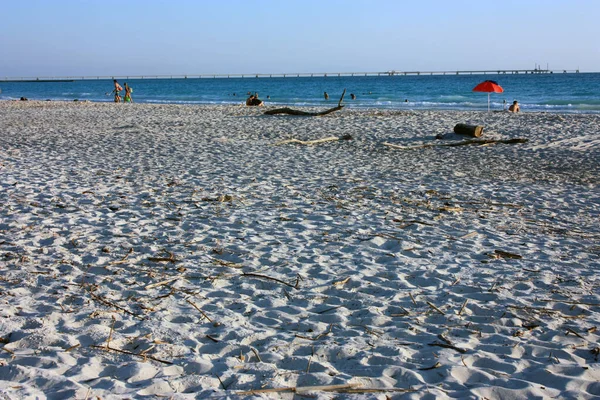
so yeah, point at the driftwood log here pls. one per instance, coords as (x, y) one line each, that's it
(470, 142)
(468, 130)
(290, 111)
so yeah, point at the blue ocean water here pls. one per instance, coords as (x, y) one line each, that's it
(557, 92)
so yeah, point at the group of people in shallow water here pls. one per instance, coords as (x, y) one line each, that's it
(117, 91)
(253, 100)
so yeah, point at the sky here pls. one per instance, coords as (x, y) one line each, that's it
(175, 37)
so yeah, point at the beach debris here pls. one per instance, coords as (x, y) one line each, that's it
(161, 283)
(308, 142)
(199, 310)
(504, 254)
(341, 283)
(141, 354)
(435, 308)
(290, 111)
(170, 259)
(253, 275)
(256, 354)
(470, 142)
(463, 307)
(111, 304)
(223, 198)
(447, 344)
(302, 389)
(434, 366)
(468, 130)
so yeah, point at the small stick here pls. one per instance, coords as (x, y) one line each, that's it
(72, 347)
(212, 338)
(574, 333)
(434, 366)
(220, 381)
(112, 327)
(153, 285)
(341, 98)
(330, 388)
(412, 298)
(308, 142)
(198, 308)
(256, 354)
(108, 303)
(448, 346)
(144, 356)
(308, 366)
(253, 275)
(463, 307)
(435, 308)
(329, 309)
(341, 283)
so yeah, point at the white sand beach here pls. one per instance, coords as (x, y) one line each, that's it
(169, 251)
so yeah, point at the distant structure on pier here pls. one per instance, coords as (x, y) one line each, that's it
(289, 75)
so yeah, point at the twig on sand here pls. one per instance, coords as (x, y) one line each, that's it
(505, 254)
(112, 328)
(153, 285)
(170, 259)
(295, 389)
(108, 303)
(463, 307)
(256, 354)
(341, 283)
(221, 382)
(435, 308)
(434, 366)
(72, 347)
(142, 355)
(124, 259)
(412, 298)
(447, 345)
(212, 338)
(253, 275)
(461, 143)
(198, 308)
(308, 142)
(569, 330)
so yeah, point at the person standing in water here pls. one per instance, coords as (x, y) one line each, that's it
(117, 89)
(326, 95)
(128, 91)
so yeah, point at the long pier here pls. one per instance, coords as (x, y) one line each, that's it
(286, 75)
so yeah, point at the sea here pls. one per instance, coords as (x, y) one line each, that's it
(536, 92)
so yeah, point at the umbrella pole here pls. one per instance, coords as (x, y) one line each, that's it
(488, 102)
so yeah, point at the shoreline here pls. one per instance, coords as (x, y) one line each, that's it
(177, 250)
(311, 108)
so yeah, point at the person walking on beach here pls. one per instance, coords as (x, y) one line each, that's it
(128, 91)
(514, 107)
(117, 89)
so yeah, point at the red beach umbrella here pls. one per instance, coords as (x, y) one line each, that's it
(489, 87)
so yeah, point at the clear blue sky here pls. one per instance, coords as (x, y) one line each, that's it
(137, 37)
